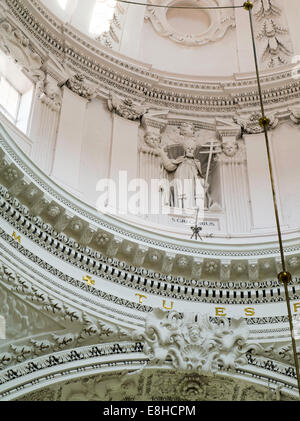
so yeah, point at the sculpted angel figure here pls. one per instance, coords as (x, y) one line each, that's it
(229, 148)
(188, 185)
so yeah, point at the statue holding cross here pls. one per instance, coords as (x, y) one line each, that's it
(189, 186)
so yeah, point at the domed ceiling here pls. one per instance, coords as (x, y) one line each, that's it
(134, 95)
(179, 38)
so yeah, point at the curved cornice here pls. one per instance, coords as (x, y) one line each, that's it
(90, 361)
(80, 343)
(53, 219)
(110, 71)
(27, 172)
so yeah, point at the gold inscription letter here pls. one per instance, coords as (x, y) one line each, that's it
(89, 280)
(141, 297)
(16, 237)
(296, 307)
(168, 308)
(249, 311)
(220, 311)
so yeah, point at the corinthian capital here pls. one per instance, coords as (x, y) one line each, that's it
(251, 124)
(125, 108)
(78, 85)
(295, 114)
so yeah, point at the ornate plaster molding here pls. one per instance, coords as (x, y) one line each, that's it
(276, 45)
(108, 71)
(281, 352)
(19, 47)
(125, 108)
(77, 84)
(112, 37)
(50, 94)
(193, 342)
(156, 384)
(251, 124)
(59, 364)
(85, 244)
(220, 22)
(295, 114)
(70, 325)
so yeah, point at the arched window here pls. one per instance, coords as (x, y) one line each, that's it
(102, 16)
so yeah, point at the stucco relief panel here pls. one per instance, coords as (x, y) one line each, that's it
(213, 23)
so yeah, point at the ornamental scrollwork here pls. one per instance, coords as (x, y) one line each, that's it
(274, 35)
(220, 22)
(251, 124)
(14, 43)
(50, 94)
(125, 108)
(35, 310)
(295, 114)
(129, 81)
(78, 85)
(193, 342)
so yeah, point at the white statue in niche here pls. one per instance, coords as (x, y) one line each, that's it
(189, 189)
(188, 183)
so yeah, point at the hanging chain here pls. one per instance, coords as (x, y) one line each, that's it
(179, 7)
(284, 276)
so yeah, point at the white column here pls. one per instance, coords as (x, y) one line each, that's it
(82, 15)
(124, 151)
(95, 153)
(66, 168)
(43, 129)
(132, 31)
(235, 194)
(234, 187)
(259, 182)
(287, 172)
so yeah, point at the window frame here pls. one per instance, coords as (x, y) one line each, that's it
(13, 119)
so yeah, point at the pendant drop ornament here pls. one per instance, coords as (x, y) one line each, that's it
(248, 5)
(285, 277)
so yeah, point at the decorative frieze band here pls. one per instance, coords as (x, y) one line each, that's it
(105, 71)
(140, 278)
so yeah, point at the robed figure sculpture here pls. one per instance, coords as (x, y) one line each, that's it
(188, 186)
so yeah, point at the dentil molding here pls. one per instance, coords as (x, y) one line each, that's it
(66, 49)
(99, 247)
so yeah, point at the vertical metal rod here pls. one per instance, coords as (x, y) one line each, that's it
(288, 304)
(267, 144)
(265, 123)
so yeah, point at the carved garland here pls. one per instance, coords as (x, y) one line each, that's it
(273, 36)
